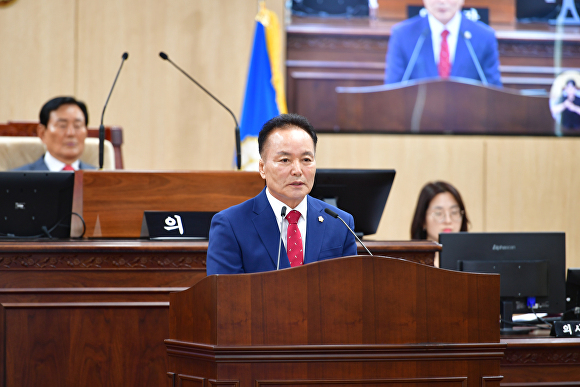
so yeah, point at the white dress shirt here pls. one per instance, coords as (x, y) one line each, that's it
(302, 208)
(437, 28)
(55, 165)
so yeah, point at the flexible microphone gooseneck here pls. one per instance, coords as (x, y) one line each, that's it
(415, 55)
(102, 127)
(238, 141)
(467, 37)
(282, 214)
(335, 215)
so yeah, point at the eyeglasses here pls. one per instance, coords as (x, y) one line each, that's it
(456, 215)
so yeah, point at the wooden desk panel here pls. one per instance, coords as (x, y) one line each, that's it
(120, 289)
(541, 361)
(113, 202)
(95, 312)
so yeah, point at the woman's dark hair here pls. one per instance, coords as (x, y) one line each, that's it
(56, 103)
(571, 81)
(283, 121)
(429, 191)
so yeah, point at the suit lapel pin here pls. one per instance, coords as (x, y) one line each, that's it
(320, 219)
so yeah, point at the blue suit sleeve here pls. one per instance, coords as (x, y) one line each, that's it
(396, 61)
(224, 255)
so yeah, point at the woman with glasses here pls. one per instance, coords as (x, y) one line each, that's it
(568, 106)
(439, 209)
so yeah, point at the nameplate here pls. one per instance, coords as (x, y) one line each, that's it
(567, 328)
(176, 225)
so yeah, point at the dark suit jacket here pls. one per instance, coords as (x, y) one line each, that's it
(244, 238)
(569, 118)
(40, 165)
(404, 37)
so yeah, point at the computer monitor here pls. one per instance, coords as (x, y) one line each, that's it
(538, 10)
(572, 295)
(532, 266)
(362, 193)
(36, 204)
(330, 8)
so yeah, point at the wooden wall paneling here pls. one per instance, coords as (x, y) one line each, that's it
(531, 185)
(38, 55)
(417, 160)
(169, 122)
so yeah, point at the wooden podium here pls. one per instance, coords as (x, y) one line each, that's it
(442, 106)
(364, 321)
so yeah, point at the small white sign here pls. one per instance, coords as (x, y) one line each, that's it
(173, 224)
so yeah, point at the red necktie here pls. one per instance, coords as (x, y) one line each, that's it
(444, 63)
(294, 240)
(68, 167)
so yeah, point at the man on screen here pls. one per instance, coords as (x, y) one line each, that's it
(63, 130)
(442, 40)
(245, 238)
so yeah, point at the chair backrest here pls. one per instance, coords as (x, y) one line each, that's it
(16, 151)
(28, 128)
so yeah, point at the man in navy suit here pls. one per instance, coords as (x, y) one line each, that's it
(245, 238)
(428, 33)
(63, 130)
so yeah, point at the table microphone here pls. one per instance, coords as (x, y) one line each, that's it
(467, 37)
(102, 127)
(335, 215)
(414, 56)
(283, 215)
(238, 141)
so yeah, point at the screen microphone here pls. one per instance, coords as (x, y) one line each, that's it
(415, 55)
(283, 215)
(102, 127)
(467, 38)
(237, 130)
(335, 215)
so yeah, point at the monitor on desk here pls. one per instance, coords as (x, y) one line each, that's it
(362, 193)
(36, 204)
(532, 265)
(572, 295)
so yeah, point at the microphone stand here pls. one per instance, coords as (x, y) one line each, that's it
(102, 127)
(238, 140)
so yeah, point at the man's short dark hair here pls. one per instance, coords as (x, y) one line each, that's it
(283, 121)
(56, 103)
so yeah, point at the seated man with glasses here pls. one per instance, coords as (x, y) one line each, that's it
(63, 130)
(439, 209)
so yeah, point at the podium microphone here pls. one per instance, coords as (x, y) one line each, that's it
(467, 37)
(102, 127)
(335, 215)
(282, 214)
(238, 142)
(414, 56)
